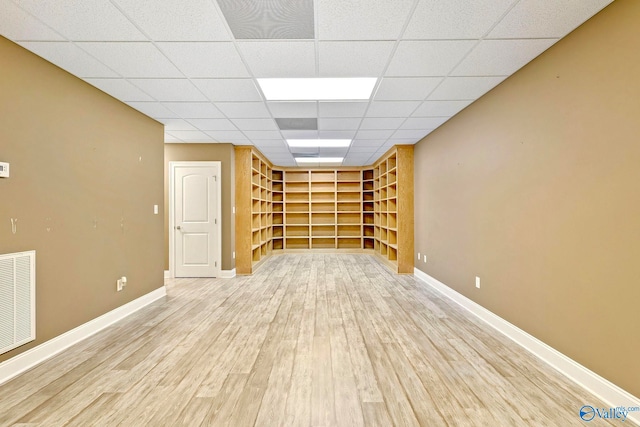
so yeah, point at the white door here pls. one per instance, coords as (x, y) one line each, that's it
(196, 219)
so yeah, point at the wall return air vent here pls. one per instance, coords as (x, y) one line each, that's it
(17, 299)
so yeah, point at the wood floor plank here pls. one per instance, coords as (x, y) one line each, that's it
(308, 340)
(376, 415)
(273, 404)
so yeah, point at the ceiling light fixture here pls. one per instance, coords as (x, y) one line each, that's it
(343, 143)
(315, 89)
(319, 159)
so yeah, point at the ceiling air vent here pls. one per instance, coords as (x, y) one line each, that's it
(269, 19)
(294, 123)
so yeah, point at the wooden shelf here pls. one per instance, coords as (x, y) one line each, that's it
(257, 199)
(392, 227)
(343, 209)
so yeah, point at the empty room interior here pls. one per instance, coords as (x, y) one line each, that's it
(319, 213)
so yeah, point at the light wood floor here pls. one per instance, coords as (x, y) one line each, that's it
(309, 340)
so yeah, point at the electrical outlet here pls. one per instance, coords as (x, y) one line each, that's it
(477, 282)
(233, 255)
(418, 256)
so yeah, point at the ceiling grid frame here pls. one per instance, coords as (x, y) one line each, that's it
(522, 21)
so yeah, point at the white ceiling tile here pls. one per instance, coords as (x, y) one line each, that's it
(272, 144)
(213, 124)
(153, 109)
(375, 134)
(406, 88)
(366, 144)
(392, 108)
(293, 109)
(267, 151)
(169, 89)
(272, 153)
(171, 125)
(353, 59)
(16, 24)
(440, 108)
(262, 134)
(162, 20)
(205, 59)
(332, 152)
(190, 135)
(342, 109)
(337, 134)
(300, 134)
(282, 156)
(194, 110)
(352, 162)
(361, 20)
(423, 122)
(283, 162)
(338, 123)
(454, 19)
(170, 139)
(410, 134)
(86, 20)
(71, 58)
(501, 57)
(381, 123)
(243, 110)
(256, 124)
(543, 19)
(120, 89)
(280, 59)
(240, 141)
(234, 90)
(136, 59)
(226, 135)
(465, 87)
(428, 58)
(405, 141)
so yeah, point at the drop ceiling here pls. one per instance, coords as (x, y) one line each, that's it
(193, 65)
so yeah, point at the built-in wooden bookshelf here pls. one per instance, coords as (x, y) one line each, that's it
(254, 209)
(393, 208)
(322, 209)
(346, 209)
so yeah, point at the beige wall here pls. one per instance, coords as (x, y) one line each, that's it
(77, 155)
(207, 152)
(535, 188)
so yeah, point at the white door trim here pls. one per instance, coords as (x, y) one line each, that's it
(218, 242)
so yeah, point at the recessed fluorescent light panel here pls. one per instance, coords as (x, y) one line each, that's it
(319, 159)
(317, 89)
(318, 142)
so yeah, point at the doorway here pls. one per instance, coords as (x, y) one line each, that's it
(194, 219)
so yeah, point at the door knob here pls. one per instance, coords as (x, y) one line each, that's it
(178, 227)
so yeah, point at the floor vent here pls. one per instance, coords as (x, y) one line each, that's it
(17, 299)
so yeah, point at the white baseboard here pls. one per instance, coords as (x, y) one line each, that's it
(605, 390)
(227, 274)
(30, 358)
(167, 274)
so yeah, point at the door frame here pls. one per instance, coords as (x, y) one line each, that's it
(218, 213)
